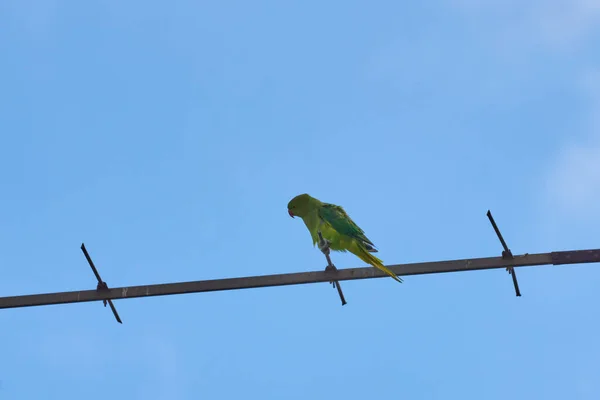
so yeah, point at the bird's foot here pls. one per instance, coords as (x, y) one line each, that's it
(324, 244)
(331, 268)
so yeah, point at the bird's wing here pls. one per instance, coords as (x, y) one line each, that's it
(339, 220)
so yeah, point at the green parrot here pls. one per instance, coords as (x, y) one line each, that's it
(338, 230)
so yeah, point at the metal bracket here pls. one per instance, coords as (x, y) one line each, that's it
(102, 286)
(506, 254)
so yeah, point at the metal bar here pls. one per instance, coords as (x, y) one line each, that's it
(575, 256)
(489, 215)
(102, 286)
(330, 265)
(340, 293)
(473, 264)
(89, 260)
(505, 254)
(511, 271)
(114, 311)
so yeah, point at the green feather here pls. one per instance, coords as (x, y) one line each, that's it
(339, 220)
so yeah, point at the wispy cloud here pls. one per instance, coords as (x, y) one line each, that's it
(521, 30)
(558, 24)
(573, 180)
(564, 23)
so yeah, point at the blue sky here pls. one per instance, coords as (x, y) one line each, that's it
(170, 137)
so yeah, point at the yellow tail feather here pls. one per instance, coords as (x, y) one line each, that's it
(369, 258)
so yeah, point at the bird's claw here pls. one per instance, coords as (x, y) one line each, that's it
(330, 268)
(324, 247)
(323, 244)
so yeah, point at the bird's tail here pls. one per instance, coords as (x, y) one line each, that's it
(370, 248)
(369, 258)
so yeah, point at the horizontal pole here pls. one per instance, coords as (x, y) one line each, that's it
(472, 264)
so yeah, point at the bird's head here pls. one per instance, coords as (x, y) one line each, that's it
(299, 206)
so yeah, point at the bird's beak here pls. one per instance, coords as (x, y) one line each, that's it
(291, 213)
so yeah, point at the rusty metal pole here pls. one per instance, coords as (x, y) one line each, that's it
(461, 265)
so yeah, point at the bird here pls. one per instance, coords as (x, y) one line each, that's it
(332, 228)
